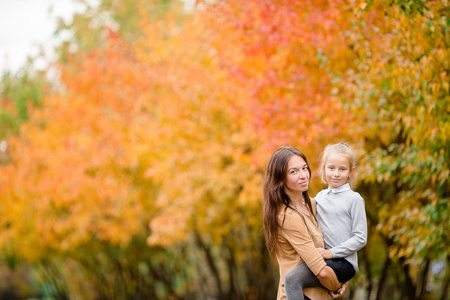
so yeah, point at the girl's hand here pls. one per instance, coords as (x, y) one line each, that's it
(325, 253)
(341, 292)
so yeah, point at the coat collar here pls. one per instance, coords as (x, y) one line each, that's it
(340, 189)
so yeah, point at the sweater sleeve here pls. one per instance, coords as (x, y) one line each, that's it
(359, 231)
(295, 231)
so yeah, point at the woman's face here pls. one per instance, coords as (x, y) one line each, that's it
(297, 177)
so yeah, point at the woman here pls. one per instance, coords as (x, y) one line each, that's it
(291, 230)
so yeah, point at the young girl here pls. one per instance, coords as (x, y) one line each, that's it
(342, 218)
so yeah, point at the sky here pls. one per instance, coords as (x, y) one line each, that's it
(26, 26)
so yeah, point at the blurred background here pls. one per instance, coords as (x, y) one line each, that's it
(27, 29)
(133, 142)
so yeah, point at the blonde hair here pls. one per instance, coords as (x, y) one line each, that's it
(342, 149)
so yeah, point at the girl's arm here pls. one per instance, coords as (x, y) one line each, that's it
(359, 231)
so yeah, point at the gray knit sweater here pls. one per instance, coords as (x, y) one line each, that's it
(342, 217)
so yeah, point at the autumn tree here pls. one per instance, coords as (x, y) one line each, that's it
(144, 170)
(268, 83)
(399, 88)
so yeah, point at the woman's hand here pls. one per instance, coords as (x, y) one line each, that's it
(325, 253)
(341, 292)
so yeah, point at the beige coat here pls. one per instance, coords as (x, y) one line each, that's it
(298, 239)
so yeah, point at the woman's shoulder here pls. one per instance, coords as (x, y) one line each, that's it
(286, 211)
(287, 216)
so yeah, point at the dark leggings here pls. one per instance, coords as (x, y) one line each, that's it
(343, 269)
(301, 277)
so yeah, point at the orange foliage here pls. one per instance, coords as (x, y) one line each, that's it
(176, 128)
(277, 52)
(71, 180)
(167, 137)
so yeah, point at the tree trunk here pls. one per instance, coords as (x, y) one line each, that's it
(366, 263)
(447, 281)
(210, 262)
(424, 279)
(409, 288)
(383, 277)
(56, 280)
(445, 289)
(232, 293)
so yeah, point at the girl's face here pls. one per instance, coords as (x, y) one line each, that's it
(337, 170)
(297, 177)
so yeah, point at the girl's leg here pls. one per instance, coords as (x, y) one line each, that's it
(343, 269)
(298, 278)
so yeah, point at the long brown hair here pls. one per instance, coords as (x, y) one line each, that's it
(275, 195)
